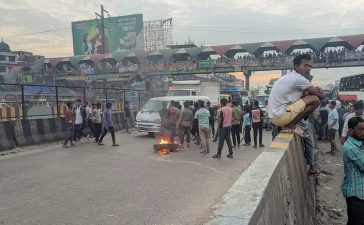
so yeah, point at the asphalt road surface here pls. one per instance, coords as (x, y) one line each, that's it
(101, 185)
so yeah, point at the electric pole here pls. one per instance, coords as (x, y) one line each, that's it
(102, 18)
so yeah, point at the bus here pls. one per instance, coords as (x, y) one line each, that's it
(351, 88)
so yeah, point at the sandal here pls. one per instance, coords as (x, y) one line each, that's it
(301, 132)
(313, 171)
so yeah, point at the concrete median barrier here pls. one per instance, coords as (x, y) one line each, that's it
(7, 136)
(274, 189)
(23, 134)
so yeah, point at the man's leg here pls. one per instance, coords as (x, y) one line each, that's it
(203, 139)
(255, 133)
(332, 134)
(355, 209)
(228, 140)
(260, 129)
(112, 135)
(188, 133)
(221, 140)
(104, 132)
(76, 131)
(126, 125)
(309, 152)
(238, 133)
(216, 135)
(213, 128)
(233, 134)
(206, 130)
(247, 134)
(181, 135)
(311, 103)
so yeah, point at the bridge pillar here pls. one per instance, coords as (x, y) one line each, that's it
(247, 74)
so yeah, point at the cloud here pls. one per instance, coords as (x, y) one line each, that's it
(204, 21)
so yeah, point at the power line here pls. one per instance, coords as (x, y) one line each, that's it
(38, 32)
(267, 28)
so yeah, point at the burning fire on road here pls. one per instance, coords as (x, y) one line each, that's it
(164, 146)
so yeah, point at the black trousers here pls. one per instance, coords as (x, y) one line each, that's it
(257, 127)
(247, 136)
(69, 134)
(355, 209)
(224, 135)
(104, 132)
(212, 125)
(77, 132)
(91, 126)
(235, 133)
(97, 131)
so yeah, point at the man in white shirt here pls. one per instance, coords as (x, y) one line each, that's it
(286, 104)
(333, 126)
(78, 120)
(358, 111)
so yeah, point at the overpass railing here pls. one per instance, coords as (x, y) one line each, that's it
(22, 101)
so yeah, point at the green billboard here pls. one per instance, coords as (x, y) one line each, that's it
(121, 33)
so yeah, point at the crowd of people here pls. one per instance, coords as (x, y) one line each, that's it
(88, 121)
(198, 119)
(297, 106)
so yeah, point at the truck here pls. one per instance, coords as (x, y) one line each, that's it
(196, 88)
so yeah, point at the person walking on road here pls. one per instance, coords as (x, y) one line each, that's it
(257, 122)
(224, 129)
(80, 115)
(203, 115)
(96, 116)
(235, 124)
(70, 121)
(184, 124)
(353, 183)
(108, 125)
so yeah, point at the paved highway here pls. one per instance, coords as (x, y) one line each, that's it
(101, 185)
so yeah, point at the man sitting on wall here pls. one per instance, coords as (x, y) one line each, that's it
(287, 106)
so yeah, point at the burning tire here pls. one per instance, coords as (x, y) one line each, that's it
(157, 147)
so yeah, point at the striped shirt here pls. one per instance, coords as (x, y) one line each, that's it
(353, 183)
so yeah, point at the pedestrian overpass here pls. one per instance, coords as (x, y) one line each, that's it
(246, 58)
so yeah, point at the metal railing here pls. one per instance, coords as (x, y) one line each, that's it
(23, 101)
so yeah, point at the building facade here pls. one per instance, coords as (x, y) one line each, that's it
(8, 59)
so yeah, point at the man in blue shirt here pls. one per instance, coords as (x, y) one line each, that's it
(332, 126)
(203, 115)
(353, 183)
(247, 127)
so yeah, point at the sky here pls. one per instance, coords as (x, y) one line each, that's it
(208, 22)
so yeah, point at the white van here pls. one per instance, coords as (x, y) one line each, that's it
(148, 118)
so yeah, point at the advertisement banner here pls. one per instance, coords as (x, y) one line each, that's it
(121, 33)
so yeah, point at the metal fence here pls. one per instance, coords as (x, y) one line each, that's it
(22, 101)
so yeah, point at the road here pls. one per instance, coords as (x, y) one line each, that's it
(129, 184)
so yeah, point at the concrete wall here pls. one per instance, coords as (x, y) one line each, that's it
(36, 131)
(275, 189)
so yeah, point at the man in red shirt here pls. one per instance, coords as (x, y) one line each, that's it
(69, 121)
(226, 115)
(172, 113)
